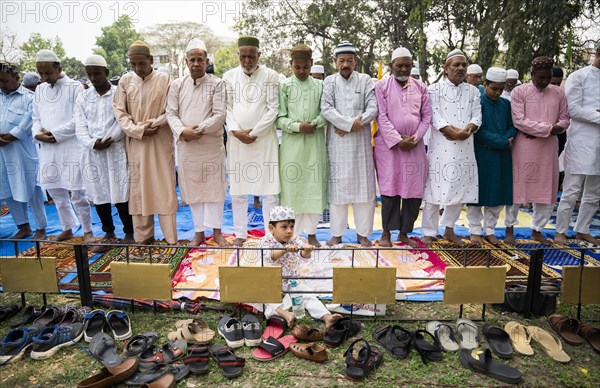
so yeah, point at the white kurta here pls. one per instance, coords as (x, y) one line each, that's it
(582, 151)
(452, 177)
(53, 109)
(351, 165)
(253, 103)
(105, 173)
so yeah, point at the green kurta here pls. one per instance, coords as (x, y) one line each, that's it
(303, 163)
(494, 161)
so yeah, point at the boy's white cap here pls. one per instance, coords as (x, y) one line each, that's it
(474, 69)
(512, 74)
(317, 69)
(281, 213)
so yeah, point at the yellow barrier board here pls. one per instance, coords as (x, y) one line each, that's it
(28, 274)
(590, 286)
(477, 285)
(250, 284)
(141, 281)
(364, 285)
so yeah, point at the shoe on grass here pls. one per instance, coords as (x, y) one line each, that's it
(54, 338)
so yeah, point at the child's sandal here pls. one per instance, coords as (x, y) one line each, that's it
(367, 359)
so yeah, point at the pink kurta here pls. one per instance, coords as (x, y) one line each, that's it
(535, 161)
(402, 111)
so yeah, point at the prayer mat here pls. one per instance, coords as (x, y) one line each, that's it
(4, 211)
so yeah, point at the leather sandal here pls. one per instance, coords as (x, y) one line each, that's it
(566, 328)
(310, 351)
(368, 357)
(307, 333)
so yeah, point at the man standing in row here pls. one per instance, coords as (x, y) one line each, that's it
(104, 161)
(60, 151)
(139, 107)
(452, 180)
(196, 113)
(252, 145)
(349, 105)
(18, 156)
(400, 159)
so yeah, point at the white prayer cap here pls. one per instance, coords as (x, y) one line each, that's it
(401, 52)
(344, 48)
(317, 69)
(196, 44)
(474, 69)
(455, 53)
(164, 69)
(46, 56)
(281, 213)
(96, 60)
(512, 74)
(414, 71)
(496, 74)
(31, 78)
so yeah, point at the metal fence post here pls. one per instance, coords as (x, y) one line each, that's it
(83, 275)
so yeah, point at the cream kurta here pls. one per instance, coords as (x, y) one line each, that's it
(202, 161)
(253, 103)
(140, 104)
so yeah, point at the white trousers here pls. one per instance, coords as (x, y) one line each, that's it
(431, 217)
(239, 205)
(489, 216)
(68, 219)
(307, 223)
(313, 306)
(364, 214)
(541, 215)
(207, 215)
(18, 210)
(572, 186)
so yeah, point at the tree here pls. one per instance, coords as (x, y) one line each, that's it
(34, 44)
(171, 39)
(226, 58)
(114, 43)
(9, 47)
(73, 67)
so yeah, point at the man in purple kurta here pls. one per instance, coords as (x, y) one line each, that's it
(539, 112)
(400, 157)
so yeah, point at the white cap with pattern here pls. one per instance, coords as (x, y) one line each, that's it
(281, 213)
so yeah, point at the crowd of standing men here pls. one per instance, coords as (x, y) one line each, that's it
(490, 146)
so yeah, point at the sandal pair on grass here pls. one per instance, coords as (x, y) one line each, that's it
(398, 341)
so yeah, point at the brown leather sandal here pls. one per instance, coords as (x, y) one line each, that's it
(566, 328)
(592, 335)
(310, 351)
(307, 333)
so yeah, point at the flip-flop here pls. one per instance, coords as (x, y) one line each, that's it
(139, 343)
(119, 323)
(550, 344)
(231, 365)
(566, 328)
(445, 334)
(498, 340)
(276, 326)
(592, 335)
(519, 337)
(197, 359)
(104, 348)
(481, 361)
(273, 348)
(93, 324)
(429, 351)
(467, 334)
(149, 375)
(179, 371)
(393, 339)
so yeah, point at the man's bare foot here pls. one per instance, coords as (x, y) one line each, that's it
(386, 239)
(219, 239)
(198, 239)
(450, 236)
(404, 239)
(330, 319)
(334, 241)
(184, 204)
(491, 239)
(64, 235)
(364, 241)
(257, 204)
(427, 241)
(289, 316)
(476, 239)
(148, 241)
(23, 232)
(589, 238)
(539, 237)
(238, 242)
(560, 238)
(40, 234)
(312, 240)
(88, 238)
(510, 236)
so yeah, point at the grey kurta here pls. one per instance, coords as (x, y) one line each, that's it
(351, 166)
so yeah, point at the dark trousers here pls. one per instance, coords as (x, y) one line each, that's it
(399, 213)
(104, 212)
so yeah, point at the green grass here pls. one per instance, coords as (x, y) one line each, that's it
(72, 364)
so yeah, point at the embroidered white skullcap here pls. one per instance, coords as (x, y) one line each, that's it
(282, 213)
(512, 74)
(46, 56)
(196, 44)
(455, 53)
(96, 60)
(317, 69)
(474, 69)
(415, 71)
(496, 74)
(344, 48)
(401, 52)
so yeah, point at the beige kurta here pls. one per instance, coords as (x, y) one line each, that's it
(253, 103)
(140, 104)
(202, 161)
